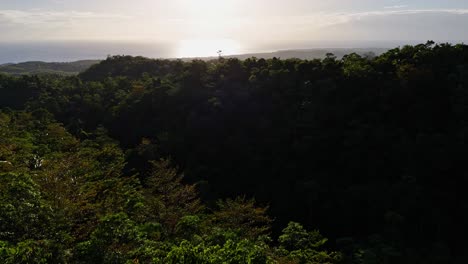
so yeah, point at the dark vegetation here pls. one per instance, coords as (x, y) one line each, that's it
(143, 161)
(76, 67)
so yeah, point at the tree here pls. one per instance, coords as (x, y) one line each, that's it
(242, 216)
(167, 198)
(301, 246)
(28, 231)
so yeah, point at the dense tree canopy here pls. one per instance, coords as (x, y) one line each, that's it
(144, 160)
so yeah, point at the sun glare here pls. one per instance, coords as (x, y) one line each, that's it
(207, 25)
(207, 48)
(209, 8)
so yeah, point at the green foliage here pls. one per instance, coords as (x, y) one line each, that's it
(231, 252)
(168, 200)
(355, 66)
(23, 213)
(29, 232)
(188, 226)
(371, 147)
(296, 237)
(301, 246)
(242, 216)
(29, 252)
(111, 241)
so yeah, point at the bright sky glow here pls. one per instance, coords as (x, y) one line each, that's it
(232, 25)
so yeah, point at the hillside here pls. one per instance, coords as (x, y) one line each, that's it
(73, 68)
(39, 67)
(137, 160)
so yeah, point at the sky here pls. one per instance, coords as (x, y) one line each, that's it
(202, 25)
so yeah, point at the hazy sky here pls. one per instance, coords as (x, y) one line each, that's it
(251, 22)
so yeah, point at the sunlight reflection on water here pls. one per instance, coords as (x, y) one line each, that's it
(207, 47)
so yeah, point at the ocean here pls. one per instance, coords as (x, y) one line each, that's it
(80, 50)
(65, 51)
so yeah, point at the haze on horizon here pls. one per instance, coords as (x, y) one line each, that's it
(201, 27)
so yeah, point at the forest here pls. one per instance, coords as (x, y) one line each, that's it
(359, 159)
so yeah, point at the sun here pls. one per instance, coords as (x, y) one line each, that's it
(194, 48)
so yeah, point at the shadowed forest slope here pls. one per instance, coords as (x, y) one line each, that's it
(370, 150)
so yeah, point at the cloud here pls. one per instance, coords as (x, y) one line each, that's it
(410, 24)
(390, 23)
(327, 19)
(404, 24)
(35, 17)
(395, 7)
(43, 24)
(416, 11)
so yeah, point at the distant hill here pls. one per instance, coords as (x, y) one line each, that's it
(39, 67)
(119, 65)
(307, 54)
(73, 68)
